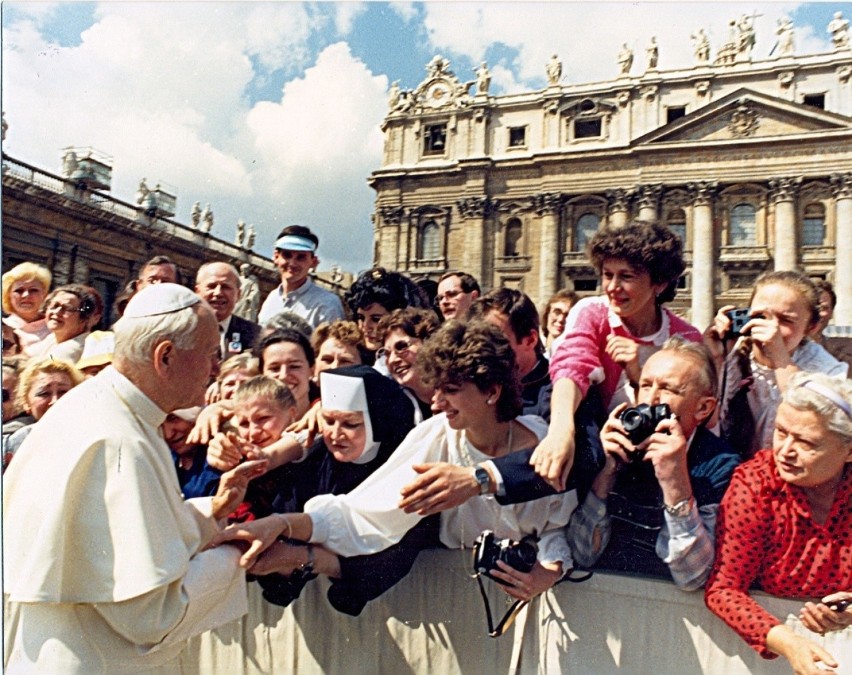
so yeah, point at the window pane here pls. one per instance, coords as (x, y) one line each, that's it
(743, 227)
(430, 244)
(677, 224)
(813, 225)
(587, 226)
(513, 236)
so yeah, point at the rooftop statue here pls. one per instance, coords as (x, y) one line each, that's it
(653, 54)
(195, 216)
(483, 78)
(241, 232)
(786, 37)
(554, 70)
(206, 219)
(702, 46)
(625, 59)
(839, 29)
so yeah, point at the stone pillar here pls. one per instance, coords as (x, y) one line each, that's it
(547, 207)
(388, 234)
(474, 211)
(783, 195)
(648, 199)
(703, 276)
(619, 206)
(842, 192)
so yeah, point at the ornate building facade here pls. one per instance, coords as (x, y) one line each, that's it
(750, 162)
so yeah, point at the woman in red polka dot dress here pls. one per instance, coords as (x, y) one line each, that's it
(785, 527)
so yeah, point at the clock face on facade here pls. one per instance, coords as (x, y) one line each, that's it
(437, 94)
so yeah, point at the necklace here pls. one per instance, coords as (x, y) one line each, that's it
(468, 461)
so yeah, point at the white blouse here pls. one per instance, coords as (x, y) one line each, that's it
(368, 519)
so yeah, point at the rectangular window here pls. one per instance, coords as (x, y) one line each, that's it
(587, 128)
(517, 137)
(815, 100)
(675, 112)
(435, 139)
(585, 285)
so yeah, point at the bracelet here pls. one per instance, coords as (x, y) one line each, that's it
(681, 509)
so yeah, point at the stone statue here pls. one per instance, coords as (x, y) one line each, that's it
(195, 215)
(141, 192)
(554, 70)
(69, 164)
(839, 29)
(785, 37)
(702, 46)
(206, 219)
(438, 66)
(393, 96)
(241, 232)
(653, 54)
(745, 35)
(250, 235)
(483, 78)
(249, 303)
(625, 59)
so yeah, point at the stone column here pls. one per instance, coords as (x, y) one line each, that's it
(648, 199)
(474, 211)
(619, 206)
(842, 191)
(388, 235)
(547, 206)
(783, 195)
(703, 276)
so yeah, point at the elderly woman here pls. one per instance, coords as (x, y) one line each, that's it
(609, 337)
(24, 289)
(403, 333)
(71, 312)
(376, 293)
(785, 525)
(41, 384)
(477, 392)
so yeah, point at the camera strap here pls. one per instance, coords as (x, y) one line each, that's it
(508, 618)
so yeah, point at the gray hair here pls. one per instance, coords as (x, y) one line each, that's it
(136, 338)
(828, 397)
(701, 355)
(207, 265)
(288, 320)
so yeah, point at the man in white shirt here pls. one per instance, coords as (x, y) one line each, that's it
(295, 257)
(105, 568)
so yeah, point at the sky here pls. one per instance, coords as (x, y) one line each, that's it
(271, 111)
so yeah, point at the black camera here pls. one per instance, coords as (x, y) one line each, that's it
(487, 550)
(739, 318)
(640, 422)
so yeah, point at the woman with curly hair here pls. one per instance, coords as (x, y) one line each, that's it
(24, 289)
(609, 337)
(71, 312)
(337, 344)
(477, 391)
(376, 293)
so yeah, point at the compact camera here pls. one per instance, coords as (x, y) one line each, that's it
(639, 422)
(739, 318)
(487, 550)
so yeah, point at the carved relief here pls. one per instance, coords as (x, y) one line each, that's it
(786, 79)
(618, 199)
(392, 215)
(648, 196)
(841, 185)
(843, 74)
(650, 92)
(702, 87)
(547, 203)
(474, 207)
(744, 121)
(784, 189)
(702, 192)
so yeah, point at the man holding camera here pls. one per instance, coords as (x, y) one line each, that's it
(653, 505)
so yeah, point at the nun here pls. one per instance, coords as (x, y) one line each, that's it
(365, 416)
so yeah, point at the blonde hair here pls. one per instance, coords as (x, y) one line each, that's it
(244, 362)
(24, 272)
(36, 368)
(266, 388)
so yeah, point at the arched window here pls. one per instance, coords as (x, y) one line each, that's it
(585, 229)
(743, 225)
(514, 232)
(813, 225)
(677, 223)
(430, 241)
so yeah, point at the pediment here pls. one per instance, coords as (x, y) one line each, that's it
(746, 114)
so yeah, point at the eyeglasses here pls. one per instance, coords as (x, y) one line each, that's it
(449, 295)
(61, 309)
(398, 347)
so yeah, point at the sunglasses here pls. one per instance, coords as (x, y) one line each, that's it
(398, 347)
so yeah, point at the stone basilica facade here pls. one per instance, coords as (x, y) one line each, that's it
(750, 162)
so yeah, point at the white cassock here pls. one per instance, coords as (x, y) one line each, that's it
(103, 565)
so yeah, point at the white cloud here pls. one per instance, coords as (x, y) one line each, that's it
(345, 15)
(406, 10)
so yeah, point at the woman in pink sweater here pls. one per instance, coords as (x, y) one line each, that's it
(607, 338)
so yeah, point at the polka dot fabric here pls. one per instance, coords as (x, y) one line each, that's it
(765, 536)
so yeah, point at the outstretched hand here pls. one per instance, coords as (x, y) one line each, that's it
(233, 485)
(258, 534)
(440, 486)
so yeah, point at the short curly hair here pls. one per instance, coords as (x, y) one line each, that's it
(474, 352)
(413, 321)
(346, 332)
(35, 368)
(645, 246)
(391, 290)
(91, 304)
(26, 271)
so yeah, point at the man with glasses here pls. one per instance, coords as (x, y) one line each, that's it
(295, 257)
(456, 293)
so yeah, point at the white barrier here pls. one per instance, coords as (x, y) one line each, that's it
(433, 622)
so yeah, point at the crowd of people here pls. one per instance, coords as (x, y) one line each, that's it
(153, 467)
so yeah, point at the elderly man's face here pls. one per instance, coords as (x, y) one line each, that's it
(674, 378)
(192, 368)
(220, 287)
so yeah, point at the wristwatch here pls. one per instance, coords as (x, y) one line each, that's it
(482, 477)
(681, 509)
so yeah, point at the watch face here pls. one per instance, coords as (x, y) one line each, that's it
(437, 94)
